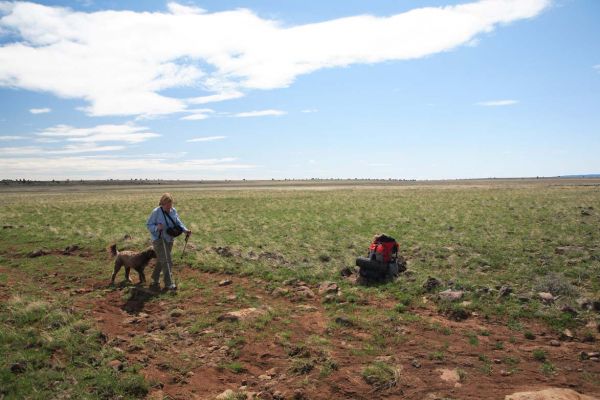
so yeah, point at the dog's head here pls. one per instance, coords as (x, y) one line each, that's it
(149, 253)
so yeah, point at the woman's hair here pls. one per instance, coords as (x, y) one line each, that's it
(165, 199)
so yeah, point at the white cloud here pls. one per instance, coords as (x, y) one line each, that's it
(261, 113)
(128, 133)
(69, 149)
(109, 167)
(5, 138)
(119, 62)
(206, 139)
(39, 110)
(497, 103)
(597, 67)
(215, 98)
(199, 114)
(310, 110)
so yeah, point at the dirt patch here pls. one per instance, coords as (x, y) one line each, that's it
(298, 349)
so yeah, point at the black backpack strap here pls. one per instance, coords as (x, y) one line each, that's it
(168, 216)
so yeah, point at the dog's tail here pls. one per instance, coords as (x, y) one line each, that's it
(113, 250)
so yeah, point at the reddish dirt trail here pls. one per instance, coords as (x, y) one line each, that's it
(187, 354)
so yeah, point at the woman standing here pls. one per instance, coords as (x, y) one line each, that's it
(164, 225)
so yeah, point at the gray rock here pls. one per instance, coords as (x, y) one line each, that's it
(451, 295)
(431, 283)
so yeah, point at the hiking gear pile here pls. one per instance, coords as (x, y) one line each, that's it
(382, 260)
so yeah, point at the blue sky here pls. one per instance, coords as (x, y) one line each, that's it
(286, 89)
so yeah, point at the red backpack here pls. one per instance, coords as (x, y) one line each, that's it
(383, 249)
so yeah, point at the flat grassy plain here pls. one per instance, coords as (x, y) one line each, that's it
(500, 242)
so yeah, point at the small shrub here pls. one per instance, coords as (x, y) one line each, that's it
(539, 355)
(547, 368)
(234, 367)
(301, 366)
(556, 284)
(380, 375)
(473, 339)
(529, 335)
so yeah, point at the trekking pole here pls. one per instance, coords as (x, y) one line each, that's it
(187, 237)
(162, 238)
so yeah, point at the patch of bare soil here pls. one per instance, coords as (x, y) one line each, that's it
(293, 347)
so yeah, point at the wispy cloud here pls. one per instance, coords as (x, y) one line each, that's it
(109, 167)
(69, 149)
(497, 103)
(261, 113)
(40, 110)
(310, 110)
(206, 139)
(128, 133)
(597, 67)
(6, 138)
(215, 98)
(105, 65)
(199, 114)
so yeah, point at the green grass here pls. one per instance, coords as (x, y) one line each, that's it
(46, 349)
(380, 375)
(505, 234)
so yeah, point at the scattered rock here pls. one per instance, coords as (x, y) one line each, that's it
(566, 335)
(328, 287)
(459, 314)
(505, 372)
(555, 343)
(116, 365)
(223, 251)
(546, 297)
(306, 307)
(228, 394)
(431, 283)
(225, 282)
(343, 321)
(299, 395)
(8, 226)
(505, 291)
(346, 271)
(18, 367)
(280, 292)
(277, 395)
(242, 315)
(588, 355)
(569, 310)
(69, 249)
(451, 295)
(37, 253)
(450, 375)
(324, 258)
(264, 377)
(271, 372)
(549, 394)
(304, 291)
(584, 303)
(415, 363)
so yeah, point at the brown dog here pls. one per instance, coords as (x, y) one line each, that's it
(131, 259)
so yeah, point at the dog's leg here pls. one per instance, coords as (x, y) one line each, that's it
(127, 278)
(118, 265)
(140, 272)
